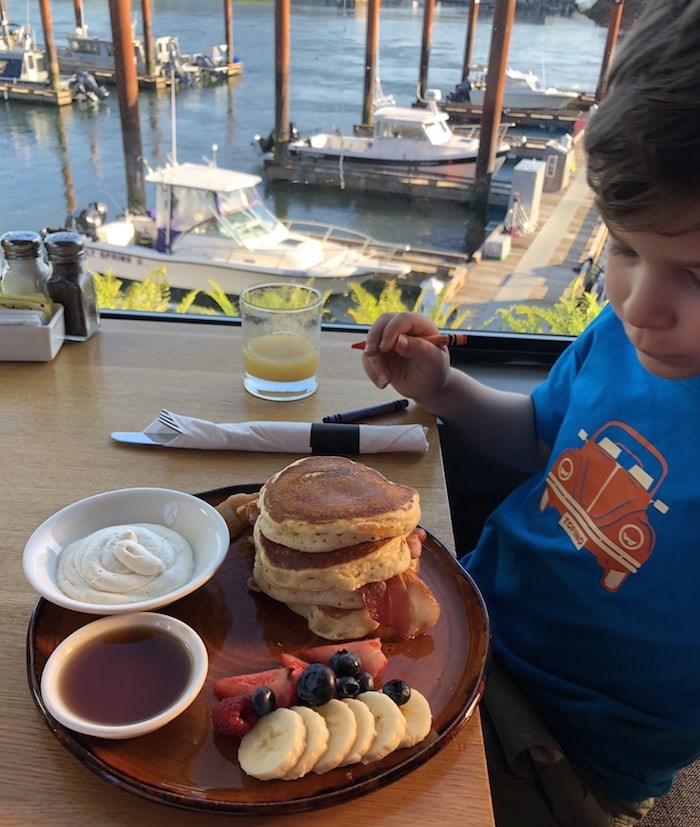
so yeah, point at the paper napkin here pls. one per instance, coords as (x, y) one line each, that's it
(294, 437)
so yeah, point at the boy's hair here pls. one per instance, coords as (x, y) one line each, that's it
(643, 142)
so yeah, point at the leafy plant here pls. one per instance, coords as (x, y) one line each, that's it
(154, 294)
(568, 316)
(151, 294)
(368, 307)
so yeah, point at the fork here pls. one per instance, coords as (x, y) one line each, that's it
(166, 418)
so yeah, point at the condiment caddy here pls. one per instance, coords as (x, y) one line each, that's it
(47, 295)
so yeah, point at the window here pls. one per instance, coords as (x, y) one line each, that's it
(78, 155)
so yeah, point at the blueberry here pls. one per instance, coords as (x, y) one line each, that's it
(398, 691)
(316, 685)
(345, 663)
(366, 682)
(263, 701)
(347, 687)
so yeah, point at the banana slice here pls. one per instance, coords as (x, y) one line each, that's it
(274, 745)
(389, 723)
(317, 736)
(419, 719)
(365, 731)
(342, 730)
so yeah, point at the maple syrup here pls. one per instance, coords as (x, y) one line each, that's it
(125, 676)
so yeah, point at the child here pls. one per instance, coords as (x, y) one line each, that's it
(591, 569)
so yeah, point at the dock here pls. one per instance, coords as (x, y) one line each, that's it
(34, 93)
(410, 184)
(540, 267)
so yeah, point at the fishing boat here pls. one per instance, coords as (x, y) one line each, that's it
(23, 68)
(522, 90)
(87, 52)
(415, 140)
(210, 226)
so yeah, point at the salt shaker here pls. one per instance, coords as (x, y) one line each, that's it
(72, 285)
(25, 270)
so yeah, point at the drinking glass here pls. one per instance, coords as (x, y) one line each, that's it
(281, 324)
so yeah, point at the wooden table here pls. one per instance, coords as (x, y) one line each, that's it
(55, 448)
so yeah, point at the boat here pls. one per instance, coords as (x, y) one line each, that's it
(416, 140)
(87, 52)
(210, 226)
(522, 90)
(23, 68)
(214, 65)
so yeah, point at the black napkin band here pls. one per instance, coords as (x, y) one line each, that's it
(334, 439)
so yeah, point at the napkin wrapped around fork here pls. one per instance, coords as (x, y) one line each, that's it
(293, 437)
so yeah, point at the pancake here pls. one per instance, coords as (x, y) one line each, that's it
(336, 624)
(325, 503)
(346, 568)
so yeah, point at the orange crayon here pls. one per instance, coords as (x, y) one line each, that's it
(449, 339)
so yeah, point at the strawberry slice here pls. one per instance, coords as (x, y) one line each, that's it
(293, 661)
(369, 651)
(282, 681)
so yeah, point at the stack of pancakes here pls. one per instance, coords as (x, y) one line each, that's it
(326, 527)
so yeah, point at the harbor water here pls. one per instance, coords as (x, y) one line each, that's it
(59, 159)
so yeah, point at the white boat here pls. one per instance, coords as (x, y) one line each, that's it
(210, 225)
(522, 90)
(404, 139)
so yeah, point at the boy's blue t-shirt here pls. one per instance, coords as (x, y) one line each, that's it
(591, 569)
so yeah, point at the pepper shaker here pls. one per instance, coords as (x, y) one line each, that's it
(72, 285)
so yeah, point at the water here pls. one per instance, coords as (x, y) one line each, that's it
(58, 159)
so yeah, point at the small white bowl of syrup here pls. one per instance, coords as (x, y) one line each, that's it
(124, 675)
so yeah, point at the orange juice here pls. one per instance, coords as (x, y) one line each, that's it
(281, 357)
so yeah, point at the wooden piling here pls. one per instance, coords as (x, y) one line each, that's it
(503, 17)
(616, 9)
(147, 18)
(4, 22)
(426, 39)
(51, 53)
(128, 94)
(228, 34)
(282, 47)
(471, 31)
(78, 11)
(372, 41)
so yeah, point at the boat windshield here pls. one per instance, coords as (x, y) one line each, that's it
(238, 215)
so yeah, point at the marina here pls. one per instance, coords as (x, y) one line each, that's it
(84, 161)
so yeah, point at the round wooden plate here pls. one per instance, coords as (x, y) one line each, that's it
(187, 764)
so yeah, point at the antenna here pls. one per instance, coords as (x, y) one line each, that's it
(173, 116)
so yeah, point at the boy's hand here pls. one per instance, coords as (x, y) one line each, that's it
(396, 355)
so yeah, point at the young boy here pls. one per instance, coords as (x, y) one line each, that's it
(590, 569)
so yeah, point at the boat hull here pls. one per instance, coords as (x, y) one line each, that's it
(136, 263)
(453, 169)
(515, 99)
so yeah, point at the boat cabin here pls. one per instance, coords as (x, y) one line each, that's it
(23, 65)
(412, 124)
(209, 201)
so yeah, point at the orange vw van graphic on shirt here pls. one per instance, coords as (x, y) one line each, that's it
(603, 492)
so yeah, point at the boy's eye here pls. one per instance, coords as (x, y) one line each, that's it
(693, 276)
(619, 249)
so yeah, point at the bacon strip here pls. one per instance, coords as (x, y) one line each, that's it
(404, 603)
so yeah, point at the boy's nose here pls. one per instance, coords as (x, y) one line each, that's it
(648, 302)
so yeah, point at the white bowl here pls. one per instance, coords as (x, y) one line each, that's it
(197, 521)
(53, 678)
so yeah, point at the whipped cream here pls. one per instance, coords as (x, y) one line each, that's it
(125, 564)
